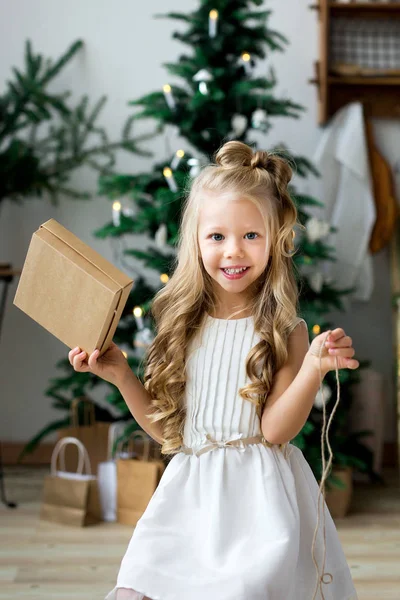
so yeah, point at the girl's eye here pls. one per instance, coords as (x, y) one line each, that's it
(253, 233)
(213, 234)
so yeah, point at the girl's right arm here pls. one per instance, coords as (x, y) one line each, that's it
(138, 401)
(114, 368)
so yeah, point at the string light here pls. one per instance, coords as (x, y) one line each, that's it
(164, 278)
(137, 313)
(177, 159)
(116, 214)
(316, 330)
(246, 58)
(212, 23)
(168, 96)
(170, 179)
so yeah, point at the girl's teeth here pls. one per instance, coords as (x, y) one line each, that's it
(234, 271)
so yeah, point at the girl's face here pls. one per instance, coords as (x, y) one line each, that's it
(232, 235)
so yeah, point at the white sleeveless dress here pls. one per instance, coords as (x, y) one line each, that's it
(233, 523)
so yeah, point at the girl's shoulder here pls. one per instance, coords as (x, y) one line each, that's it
(296, 322)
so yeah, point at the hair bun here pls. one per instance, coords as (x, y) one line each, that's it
(262, 160)
(234, 154)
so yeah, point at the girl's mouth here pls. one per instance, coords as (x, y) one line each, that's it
(233, 274)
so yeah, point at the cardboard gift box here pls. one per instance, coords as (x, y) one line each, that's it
(71, 290)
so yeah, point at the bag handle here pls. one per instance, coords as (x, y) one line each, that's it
(88, 412)
(131, 441)
(113, 432)
(146, 443)
(83, 459)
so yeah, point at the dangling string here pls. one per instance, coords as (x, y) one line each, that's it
(323, 577)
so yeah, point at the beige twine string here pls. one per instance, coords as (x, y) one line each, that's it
(324, 578)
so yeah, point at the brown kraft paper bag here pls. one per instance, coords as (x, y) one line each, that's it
(70, 498)
(137, 480)
(93, 435)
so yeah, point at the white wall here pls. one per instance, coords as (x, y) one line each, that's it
(123, 55)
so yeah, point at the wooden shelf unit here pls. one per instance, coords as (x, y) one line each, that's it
(379, 94)
(364, 9)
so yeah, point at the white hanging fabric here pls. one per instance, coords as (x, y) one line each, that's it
(347, 193)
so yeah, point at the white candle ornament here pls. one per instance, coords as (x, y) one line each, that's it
(116, 214)
(246, 58)
(212, 23)
(161, 236)
(169, 97)
(170, 179)
(177, 159)
(137, 313)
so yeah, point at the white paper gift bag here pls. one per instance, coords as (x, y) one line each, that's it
(107, 475)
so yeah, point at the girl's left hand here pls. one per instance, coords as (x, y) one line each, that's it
(337, 345)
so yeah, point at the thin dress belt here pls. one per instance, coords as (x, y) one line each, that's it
(240, 442)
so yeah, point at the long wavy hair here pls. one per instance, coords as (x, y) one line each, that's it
(180, 306)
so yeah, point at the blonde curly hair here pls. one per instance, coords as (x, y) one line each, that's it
(180, 306)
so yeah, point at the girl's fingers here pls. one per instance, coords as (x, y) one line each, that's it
(73, 353)
(345, 352)
(335, 335)
(344, 342)
(352, 364)
(92, 361)
(79, 362)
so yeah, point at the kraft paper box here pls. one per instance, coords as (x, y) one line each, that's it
(71, 290)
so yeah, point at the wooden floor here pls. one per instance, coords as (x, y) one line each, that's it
(43, 561)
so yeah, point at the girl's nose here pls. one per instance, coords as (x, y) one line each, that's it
(233, 250)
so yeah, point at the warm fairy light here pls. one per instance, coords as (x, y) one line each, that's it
(246, 56)
(169, 98)
(125, 353)
(164, 278)
(316, 329)
(137, 313)
(212, 23)
(179, 154)
(170, 179)
(167, 172)
(116, 213)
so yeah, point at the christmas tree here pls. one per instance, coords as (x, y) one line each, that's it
(218, 98)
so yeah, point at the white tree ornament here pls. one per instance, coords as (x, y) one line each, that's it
(316, 281)
(319, 401)
(239, 125)
(259, 120)
(203, 77)
(317, 229)
(142, 340)
(195, 167)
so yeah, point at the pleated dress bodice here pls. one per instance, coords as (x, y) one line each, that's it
(215, 371)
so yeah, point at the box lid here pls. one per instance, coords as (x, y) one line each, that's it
(87, 252)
